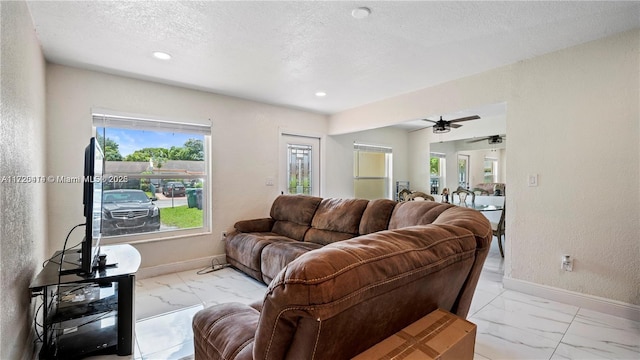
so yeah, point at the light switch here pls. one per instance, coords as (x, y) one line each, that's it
(533, 180)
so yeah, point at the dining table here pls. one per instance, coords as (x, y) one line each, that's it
(485, 207)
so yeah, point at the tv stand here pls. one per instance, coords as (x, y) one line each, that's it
(88, 314)
(71, 261)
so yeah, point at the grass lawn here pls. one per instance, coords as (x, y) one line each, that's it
(181, 216)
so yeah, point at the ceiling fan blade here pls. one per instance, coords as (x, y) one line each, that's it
(435, 122)
(477, 140)
(473, 117)
(426, 127)
(455, 126)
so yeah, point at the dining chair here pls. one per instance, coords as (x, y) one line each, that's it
(498, 230)
(419, 195)
(462, 196)
(404, 194)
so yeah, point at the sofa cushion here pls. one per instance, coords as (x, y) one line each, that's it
(254, 225)
(293, 214)
(225, 331)
(244, 250)
(319, 305)
(277, 255)
(376, 216)
(410, 213)
(335, 220)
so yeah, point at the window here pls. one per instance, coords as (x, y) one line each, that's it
(490, 170)
(437, 166)
(300, 166)
(156, 176)
(372, 171)
(463, 171)
(299, 169)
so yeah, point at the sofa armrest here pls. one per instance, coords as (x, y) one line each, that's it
(255, 225)
(225, 331)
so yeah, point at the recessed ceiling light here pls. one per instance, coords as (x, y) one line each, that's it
(161, 55)
(321, 94)
(361, 12)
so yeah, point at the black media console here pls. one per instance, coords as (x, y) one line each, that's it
(92, 314)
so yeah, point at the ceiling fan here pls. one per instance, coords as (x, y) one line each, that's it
(444, 126)
(494, 139)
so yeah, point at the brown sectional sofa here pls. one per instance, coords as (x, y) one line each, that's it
(343, 274)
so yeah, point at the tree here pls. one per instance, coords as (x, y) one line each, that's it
(193, 149)
(435, 166)
(110, 148)
(144, 154)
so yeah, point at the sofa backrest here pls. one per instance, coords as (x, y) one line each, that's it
(293, 214)
(336, 220)
(477, 225)
(411, 213)
(337, 301)
(376, 216)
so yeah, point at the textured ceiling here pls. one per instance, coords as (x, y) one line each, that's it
(284, 52)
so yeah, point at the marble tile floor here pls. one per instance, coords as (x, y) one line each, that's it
(511, 325)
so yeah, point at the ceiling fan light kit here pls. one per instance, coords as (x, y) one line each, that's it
(443, 126)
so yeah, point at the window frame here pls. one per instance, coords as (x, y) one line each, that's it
(494, 169)
(441, 176)
(110, 119)
(388, 159)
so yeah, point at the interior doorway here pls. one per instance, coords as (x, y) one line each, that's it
(463, 171)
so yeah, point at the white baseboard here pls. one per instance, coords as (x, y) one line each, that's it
(596, 303)
(187, 265)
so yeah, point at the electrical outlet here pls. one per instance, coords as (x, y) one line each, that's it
(567, 263)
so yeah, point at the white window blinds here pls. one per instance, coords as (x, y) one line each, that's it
(106, 119)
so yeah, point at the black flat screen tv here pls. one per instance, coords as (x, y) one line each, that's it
(92, 201)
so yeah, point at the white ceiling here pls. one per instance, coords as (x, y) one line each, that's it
(284, 52)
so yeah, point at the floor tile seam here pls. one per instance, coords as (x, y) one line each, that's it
(143, 356)
(136, 347)
(607, 348)
(477, 353)
(532, 332)
(186, 283)
(565, 332)
(485, 305)
(519, 306)
(493, 335)
(168, 312)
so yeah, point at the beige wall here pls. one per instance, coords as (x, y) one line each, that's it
(23, 219)
(579, 109)
(244, 150)
(339, 166)
(572, 118)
